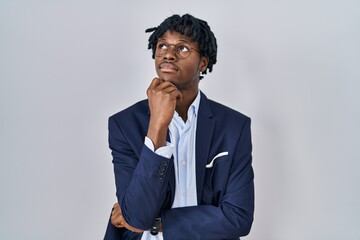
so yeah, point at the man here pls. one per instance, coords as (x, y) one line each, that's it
(182, 162)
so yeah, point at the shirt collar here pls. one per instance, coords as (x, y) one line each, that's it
(195, 104)
(193, 108)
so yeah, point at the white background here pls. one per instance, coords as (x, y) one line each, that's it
(292, 66)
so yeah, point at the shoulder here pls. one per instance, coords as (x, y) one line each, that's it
(225, 111)
(131, 122)
(229, 119)
(222, 113)
(132, 111)
(136, 114)
(231, 126)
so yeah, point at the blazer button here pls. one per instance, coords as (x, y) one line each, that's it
(160, 176)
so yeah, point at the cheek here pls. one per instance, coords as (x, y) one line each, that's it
(156, 68)
(192, 69)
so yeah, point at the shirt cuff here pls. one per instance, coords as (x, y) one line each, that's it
(165, 151)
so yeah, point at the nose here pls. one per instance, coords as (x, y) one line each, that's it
(170, 55)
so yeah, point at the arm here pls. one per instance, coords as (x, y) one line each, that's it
(233, 216)
(142, 177)
(140, 189)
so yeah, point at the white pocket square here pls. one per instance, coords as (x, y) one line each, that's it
(217, 156)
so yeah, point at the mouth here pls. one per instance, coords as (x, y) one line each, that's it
(167, 67)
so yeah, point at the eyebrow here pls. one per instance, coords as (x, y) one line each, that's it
(180, 40)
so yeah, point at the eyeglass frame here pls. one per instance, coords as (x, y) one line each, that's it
(175, 49)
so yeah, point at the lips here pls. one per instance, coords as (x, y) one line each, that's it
(168, 67)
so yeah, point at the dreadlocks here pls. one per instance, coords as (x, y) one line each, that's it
(193, 27)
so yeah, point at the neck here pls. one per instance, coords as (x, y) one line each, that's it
(183, 106)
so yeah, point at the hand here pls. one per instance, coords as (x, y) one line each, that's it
(162, 96)
(118, 220)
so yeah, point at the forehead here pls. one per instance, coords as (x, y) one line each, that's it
(174, 37)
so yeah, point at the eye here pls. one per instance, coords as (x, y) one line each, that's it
(183, 48)
(162, 46)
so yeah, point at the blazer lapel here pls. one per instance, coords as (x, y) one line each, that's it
(204, 131)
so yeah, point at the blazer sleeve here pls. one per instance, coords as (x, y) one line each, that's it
(233, 217)
(141, 176)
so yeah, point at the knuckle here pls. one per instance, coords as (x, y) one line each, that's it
(167, 95)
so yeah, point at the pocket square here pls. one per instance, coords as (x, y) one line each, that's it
(217, 156)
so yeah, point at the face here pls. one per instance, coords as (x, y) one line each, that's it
(171, 66)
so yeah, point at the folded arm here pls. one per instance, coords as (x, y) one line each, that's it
(232, 217)
(141, 178)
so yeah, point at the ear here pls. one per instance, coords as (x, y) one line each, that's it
(204, 61)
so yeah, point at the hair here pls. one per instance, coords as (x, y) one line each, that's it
(197, 29)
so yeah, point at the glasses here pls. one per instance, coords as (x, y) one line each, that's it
(181, 50)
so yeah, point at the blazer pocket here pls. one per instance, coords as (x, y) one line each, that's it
(211, 164)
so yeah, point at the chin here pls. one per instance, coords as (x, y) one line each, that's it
(169, 80)
(167, 77)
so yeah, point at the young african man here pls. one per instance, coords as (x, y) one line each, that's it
(182, 162)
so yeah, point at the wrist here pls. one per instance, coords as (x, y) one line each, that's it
(157, 135)
(160, 228)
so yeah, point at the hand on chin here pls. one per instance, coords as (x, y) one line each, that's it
(167, 78)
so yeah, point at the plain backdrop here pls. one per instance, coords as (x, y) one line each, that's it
(292, 66)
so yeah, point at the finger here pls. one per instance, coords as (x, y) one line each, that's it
(169, 89)
(163, 88)
(174, 90)
(176, 95)
(115, 214)
(115, 208)
(179, 96)
(154, 83)
(114, 221)
(118, 220)
(115, 205)
(165, 84)
(118, 224)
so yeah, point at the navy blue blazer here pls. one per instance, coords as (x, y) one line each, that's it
(145, 183)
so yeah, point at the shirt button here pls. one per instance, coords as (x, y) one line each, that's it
(183, 162)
